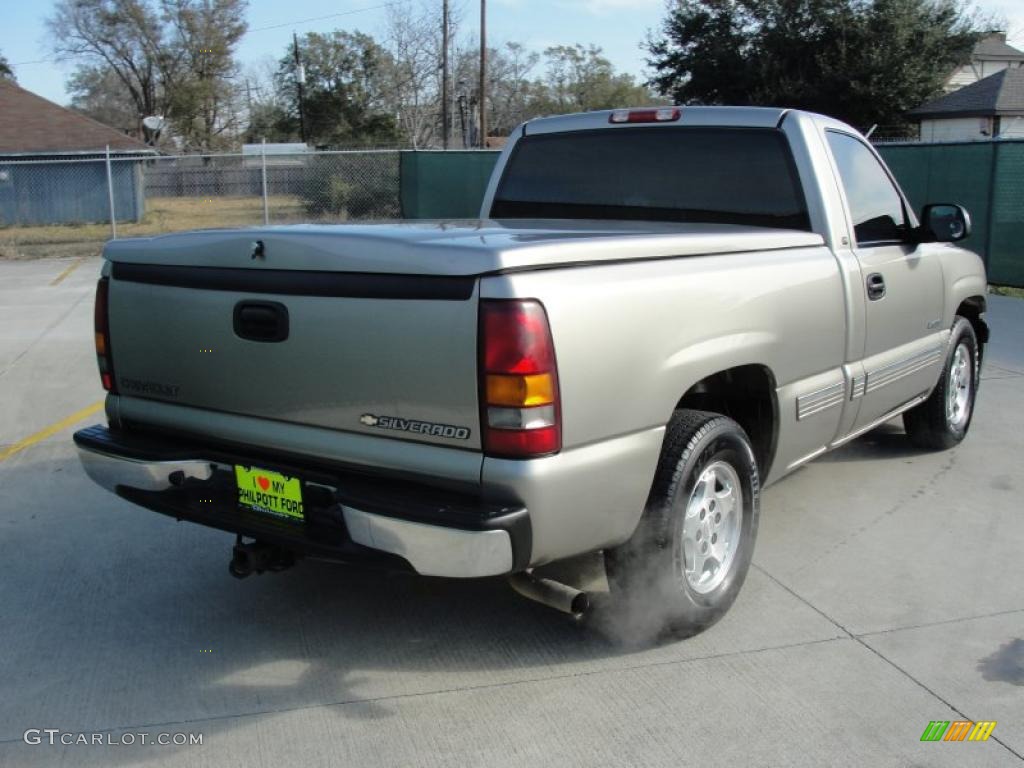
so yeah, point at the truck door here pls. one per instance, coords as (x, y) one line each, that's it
(904, 343)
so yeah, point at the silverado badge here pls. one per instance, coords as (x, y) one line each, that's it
(416, 427)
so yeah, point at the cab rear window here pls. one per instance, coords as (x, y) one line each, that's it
(716, 175)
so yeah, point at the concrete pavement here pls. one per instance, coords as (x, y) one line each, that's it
(887, 591)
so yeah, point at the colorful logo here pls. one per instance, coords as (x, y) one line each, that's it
(959, 730)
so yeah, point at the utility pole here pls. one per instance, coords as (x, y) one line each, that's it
(300, 82)
(483, 74)
(445, 117)
(460, 99)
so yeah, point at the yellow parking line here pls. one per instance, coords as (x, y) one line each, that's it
(50, 431)
(59, 278)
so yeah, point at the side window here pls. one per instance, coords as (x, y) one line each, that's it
(875, 205)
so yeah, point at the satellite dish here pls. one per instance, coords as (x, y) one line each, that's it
(153, 122)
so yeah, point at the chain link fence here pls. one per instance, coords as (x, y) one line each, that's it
(894, 134)
(71, 205)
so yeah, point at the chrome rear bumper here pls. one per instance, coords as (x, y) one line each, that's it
(112, 471)
(431, 549)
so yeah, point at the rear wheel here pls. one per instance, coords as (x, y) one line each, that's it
(943, 419)
(689, 556)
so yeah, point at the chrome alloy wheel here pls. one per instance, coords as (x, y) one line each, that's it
(958, 393)
(711, 527)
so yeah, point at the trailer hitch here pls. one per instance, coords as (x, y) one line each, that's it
(257, 557)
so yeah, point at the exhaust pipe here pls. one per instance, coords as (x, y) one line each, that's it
(551, 593)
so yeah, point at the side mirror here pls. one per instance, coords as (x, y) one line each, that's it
(944, 223)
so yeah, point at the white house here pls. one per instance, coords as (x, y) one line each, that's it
(990, 55)
(991, 108)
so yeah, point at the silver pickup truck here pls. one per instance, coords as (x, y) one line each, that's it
(659, 312)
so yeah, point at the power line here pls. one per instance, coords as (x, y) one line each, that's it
(329, 16)
(258, 29)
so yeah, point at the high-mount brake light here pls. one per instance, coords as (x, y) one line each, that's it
(656, 115)
(101, 326)
(520, 408)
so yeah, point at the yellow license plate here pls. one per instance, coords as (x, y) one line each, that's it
(269, 492)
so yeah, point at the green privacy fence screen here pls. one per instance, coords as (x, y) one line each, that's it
(445, 185)
(1006, 243)
(985, 177)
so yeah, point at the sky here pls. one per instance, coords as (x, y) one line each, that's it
(617, 26)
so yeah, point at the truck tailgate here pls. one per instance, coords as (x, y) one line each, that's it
(383, 354)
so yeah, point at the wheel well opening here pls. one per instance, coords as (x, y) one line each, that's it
(746, 394)
(973, 308)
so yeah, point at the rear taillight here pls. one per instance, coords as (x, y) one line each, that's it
(101, 324)
(521, 413)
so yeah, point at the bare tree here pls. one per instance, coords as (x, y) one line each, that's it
(510, 69)
(207, 98)
(172, 57)
(97, 91)
(579, 79)
(125, 36)
(413, 38)
(512, 90)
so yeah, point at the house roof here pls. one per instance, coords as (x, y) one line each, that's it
(994, 46)
(30, 124)
(998, 94)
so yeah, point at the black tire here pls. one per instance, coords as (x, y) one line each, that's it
(929, 425)
(649, 570)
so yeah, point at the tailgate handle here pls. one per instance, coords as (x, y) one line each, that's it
(265, 321)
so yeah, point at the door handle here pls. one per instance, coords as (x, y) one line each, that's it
(265, 321)
(876, 286)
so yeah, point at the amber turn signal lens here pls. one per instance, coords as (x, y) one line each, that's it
(520, 391)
